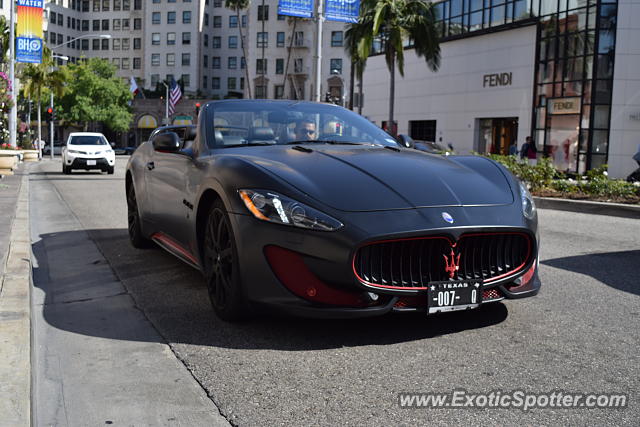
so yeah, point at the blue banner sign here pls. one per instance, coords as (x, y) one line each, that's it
(342, 10)
(299, 8)
(29, 49)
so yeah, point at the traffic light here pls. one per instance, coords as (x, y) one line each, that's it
(50, 114)
(197, 108)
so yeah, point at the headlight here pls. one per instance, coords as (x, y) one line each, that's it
(273, 207)
(528, 206)
(74, 152)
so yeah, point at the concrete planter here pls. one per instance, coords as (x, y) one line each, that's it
(8, 161)
(30, 155)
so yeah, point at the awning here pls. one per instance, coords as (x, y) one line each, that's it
(182, 120)
(147, 122)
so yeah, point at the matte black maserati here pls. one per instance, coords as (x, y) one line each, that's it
(312, 210)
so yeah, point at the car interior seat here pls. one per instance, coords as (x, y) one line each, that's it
(189, 136)
(261, 135)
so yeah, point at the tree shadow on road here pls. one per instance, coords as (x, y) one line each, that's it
(115, 298)
(616, 269)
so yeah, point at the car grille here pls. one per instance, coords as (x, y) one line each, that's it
(414, 263)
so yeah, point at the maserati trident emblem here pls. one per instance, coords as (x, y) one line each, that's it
(447, 217)
(453, 265)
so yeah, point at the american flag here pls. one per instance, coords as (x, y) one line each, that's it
(174, 96)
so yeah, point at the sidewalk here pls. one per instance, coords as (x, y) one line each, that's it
(15, 324)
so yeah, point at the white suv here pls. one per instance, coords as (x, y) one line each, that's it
(88, 150)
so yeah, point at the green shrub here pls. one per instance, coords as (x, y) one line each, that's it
(537, 176)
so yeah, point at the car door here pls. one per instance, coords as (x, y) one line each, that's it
(166, 182)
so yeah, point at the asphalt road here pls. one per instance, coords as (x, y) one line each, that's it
(580, 334)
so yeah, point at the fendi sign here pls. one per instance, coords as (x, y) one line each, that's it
(564, 105)
(501, 79)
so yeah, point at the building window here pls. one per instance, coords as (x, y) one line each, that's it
(215, 83)
(137, 63)
(216, 42)
(261, 66)
(297, 65)
(243, 63)
(233, 21)
(126, 4)
(171, 39)
(105, 44)
(155, 18)
(116, 25)
(298, 38)
(336, 38)
(205, 82)
(278, 92)
(280, 39)
(263, 39)
(105, 5)
(233, 42)
(215, 62)
(155, 79)
(217, 3)
(205, 41)
(105, 25)
(155, 39)
(186, 17)
(125, 63)
(171, 59)
(261, 91)
(95, 43)
(96, 5)
(281, 17)
(186, 80)
(231, 83)
(116, 44)
(137, 5)
(137, 23)
(217, 21)
(85, 44)
(263, 12)
(186, 59)
(232, 62)
(336, 66)
(85, 25)
(117, 5)
(171, 17)
(125, 24)
(116, 62)
(244, 21)
(280, 66)
(241, 83)
(125, 44)
(137, 43)
(205, 61)
(155, 59)
(186, 38)
(95, 25)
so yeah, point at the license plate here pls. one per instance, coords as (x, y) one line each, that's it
(454, 295)
(91, 162)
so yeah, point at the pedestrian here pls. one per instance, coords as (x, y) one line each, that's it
(636, 156)
(528, 151)
(513, 150)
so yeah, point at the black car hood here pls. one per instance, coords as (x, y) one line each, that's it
(368, 178)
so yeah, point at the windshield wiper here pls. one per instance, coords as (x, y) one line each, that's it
(322, 141)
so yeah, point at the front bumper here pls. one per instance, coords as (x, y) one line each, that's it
(327, 257)
(89, 162)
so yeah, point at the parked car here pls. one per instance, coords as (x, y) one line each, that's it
(310, 209)
(88, 151)
(428, 146)
(57, 148)
(124, 150)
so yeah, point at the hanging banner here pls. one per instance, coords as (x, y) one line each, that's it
(299, 8)
(342, 10)
(29, 31)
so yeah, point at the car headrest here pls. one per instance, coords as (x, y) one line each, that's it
(217, 136)
(191, 133)
(261, 134)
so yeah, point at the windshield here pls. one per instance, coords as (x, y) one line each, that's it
(258, 122)
(88, 140)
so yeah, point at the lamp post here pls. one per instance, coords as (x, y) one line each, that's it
(13, 114)
(65, 58)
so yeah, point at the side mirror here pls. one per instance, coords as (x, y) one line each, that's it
(406, 141)
(112, 144)
(168, 142)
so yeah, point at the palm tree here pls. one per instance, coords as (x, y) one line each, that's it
(4, 42)
(395, 22)
(37, 77)
(239, 5)
(355, 32)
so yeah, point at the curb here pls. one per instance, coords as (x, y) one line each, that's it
(15, 319)
(588, 207)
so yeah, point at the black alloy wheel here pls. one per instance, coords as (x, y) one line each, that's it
(220, 261)
(133, 220)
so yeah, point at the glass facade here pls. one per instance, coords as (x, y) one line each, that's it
(574, 64)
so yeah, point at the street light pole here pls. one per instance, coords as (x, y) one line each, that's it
(13, 114)
(166, 104)
(319, 19)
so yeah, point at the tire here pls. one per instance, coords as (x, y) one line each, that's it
(136, 237)
(221, 269)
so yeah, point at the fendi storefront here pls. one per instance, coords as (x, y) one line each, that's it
(564, 72)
